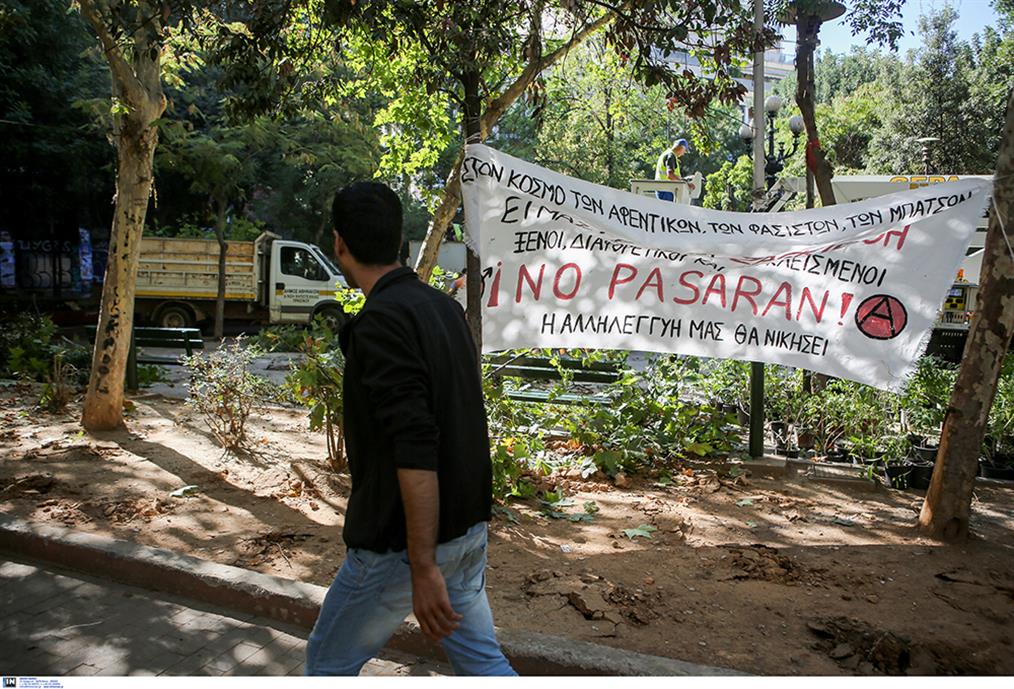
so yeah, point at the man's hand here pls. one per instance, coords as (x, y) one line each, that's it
(430, 603)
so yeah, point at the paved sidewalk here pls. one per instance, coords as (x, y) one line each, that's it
(60, 623)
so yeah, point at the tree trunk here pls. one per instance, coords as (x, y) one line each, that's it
(610, 136)
(818, 170)
(807, 28)
(136, 84)
(949, 498)
(473, 277)
(223, 248)
(451, 197)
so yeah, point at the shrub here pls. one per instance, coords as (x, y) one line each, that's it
(148, 374)
(927, 395)
(648, 423)
(224, 392)
(513, 450)
(316, 382)
(726, 381)
(58, 390)
(280, 338)
(29, 345)
(844, 410)
(1000, 427)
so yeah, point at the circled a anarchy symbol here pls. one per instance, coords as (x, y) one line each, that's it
(881, 317)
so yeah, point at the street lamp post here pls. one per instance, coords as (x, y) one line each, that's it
(774, 163)
(775, 157)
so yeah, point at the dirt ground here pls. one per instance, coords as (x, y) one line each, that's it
(747, 570)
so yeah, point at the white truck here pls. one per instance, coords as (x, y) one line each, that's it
(268, 280)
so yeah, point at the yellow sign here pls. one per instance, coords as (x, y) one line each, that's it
(916, 181)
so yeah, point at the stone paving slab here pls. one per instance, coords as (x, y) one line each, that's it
(61, 623)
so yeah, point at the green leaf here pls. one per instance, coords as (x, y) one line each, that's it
(506, 513)
(699, 449)
(644, 530)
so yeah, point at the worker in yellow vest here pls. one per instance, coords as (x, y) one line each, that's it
(668, 166)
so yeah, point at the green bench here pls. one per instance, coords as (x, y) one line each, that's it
(185, 339)
(535, 368)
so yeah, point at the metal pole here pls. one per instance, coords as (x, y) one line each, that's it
(757, 368)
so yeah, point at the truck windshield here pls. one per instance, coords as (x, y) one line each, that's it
(327, 262)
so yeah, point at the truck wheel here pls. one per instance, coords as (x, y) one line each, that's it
(175, 316)
(334, 317)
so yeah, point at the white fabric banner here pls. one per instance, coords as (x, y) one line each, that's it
(851, 291)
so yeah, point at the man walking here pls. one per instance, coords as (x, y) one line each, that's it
(418, 448)
(668, 166)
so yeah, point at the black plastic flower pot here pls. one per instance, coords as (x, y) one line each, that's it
(1003, 473)
(925, 453)
(898, 475)
(921, 476)
(838, 454)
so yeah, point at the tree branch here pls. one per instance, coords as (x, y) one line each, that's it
(498, 106)
(122, 71)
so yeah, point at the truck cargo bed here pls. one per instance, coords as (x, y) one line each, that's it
(188, 269)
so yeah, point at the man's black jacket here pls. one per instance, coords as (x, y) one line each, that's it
(412, 400)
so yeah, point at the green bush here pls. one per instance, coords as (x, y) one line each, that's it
(861, 416)
(1000, 427)
(726, 381)
(149, 374)
(648, 423)
(927, 395)
(280, 338)
(224, 392)
(29, 345)
(316, 382)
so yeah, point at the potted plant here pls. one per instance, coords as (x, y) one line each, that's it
(726, 383)
(896, 467)
(783, 404)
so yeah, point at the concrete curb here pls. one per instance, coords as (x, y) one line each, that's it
(298, 603)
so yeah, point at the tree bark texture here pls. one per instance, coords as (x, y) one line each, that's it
(945, 512)
(807, 28)
(473, 279)
(450, 198)
(136, 84)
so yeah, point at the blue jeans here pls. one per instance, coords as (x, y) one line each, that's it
(372, 595)
(664, 196)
